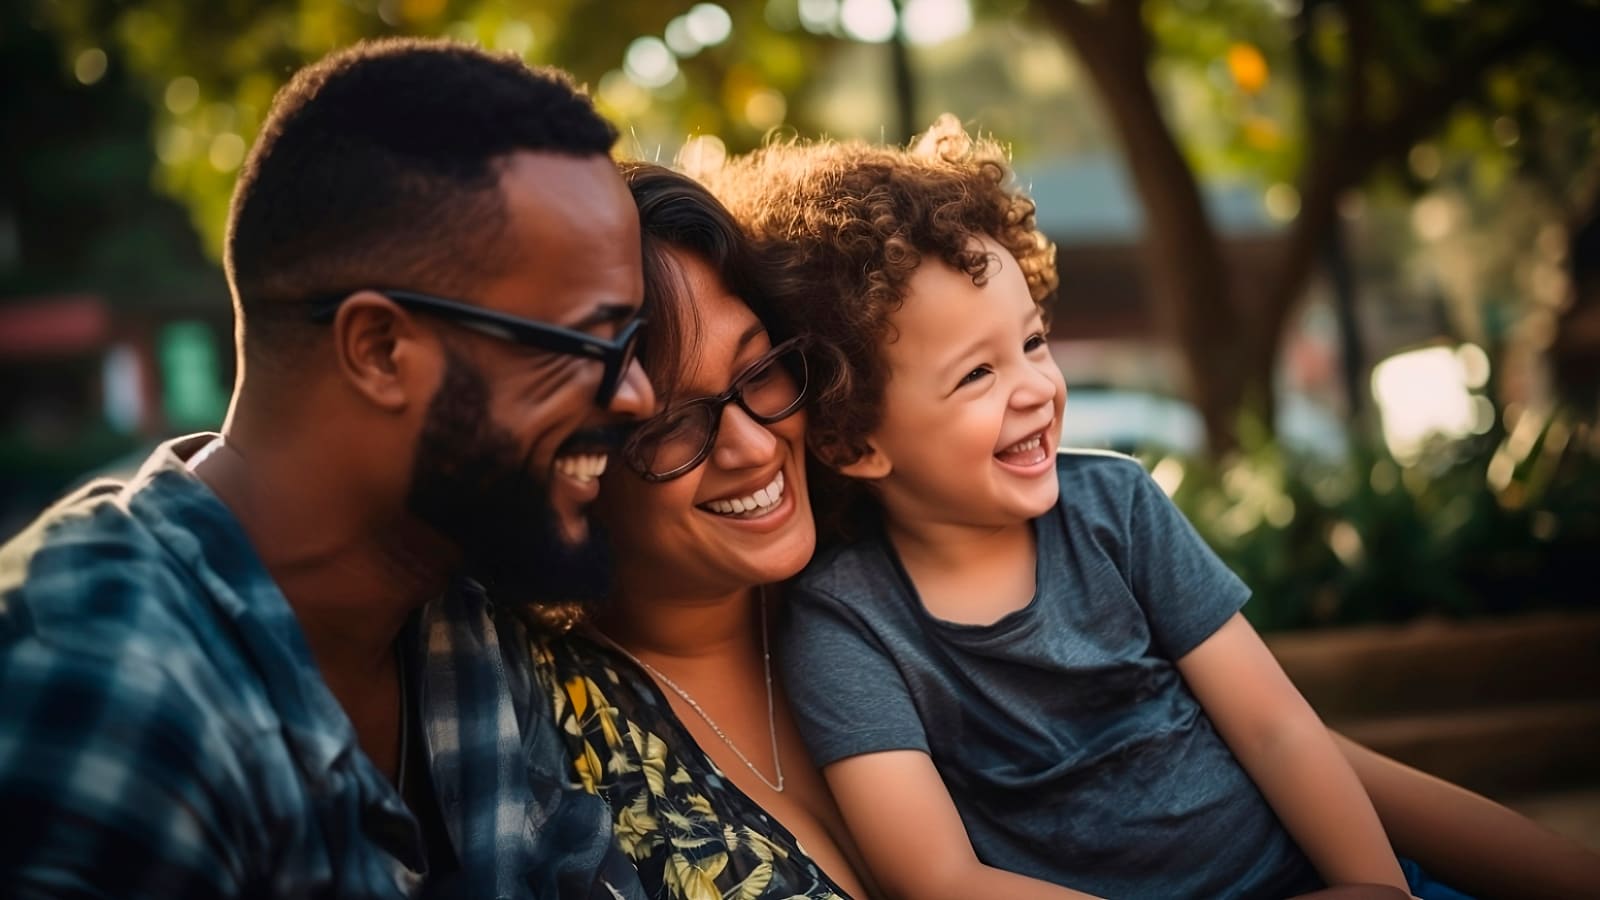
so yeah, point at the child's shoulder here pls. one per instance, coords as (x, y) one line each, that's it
(1100, 489)
(1106, 468)
(843, 569)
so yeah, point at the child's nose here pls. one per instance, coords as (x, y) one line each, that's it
(742, 442)
(1035, 389)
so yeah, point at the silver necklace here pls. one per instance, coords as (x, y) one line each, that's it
(772, 718)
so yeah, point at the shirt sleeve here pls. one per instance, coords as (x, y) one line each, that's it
(1186, 591)
(849, 695)
(107, 782)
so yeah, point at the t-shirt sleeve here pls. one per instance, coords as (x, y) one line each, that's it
(848, 695)
(1186, 591)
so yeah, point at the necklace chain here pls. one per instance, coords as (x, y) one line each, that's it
(772, 719)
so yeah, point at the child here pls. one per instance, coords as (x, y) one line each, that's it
(1029, 674)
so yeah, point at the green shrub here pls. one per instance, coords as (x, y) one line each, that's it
(1486, 526)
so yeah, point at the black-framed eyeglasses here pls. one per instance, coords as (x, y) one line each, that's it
(615, 354)
(672, 443)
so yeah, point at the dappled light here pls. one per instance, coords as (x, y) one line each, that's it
(1324, 307)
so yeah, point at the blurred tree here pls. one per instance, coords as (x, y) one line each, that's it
(210, 69)
(77, 209)
(1378, 78)
(1314, 96)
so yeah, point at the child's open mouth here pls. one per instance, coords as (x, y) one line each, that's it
(1030, 451)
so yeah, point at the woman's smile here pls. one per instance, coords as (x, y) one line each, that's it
(749, 506)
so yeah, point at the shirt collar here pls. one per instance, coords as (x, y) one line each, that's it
(196, 527)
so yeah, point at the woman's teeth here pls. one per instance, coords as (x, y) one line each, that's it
(582, 467)
(748, 507)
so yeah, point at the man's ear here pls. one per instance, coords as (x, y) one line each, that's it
(381, 353)
(869, 466)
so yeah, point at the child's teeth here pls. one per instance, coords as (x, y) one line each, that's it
(1024, 446)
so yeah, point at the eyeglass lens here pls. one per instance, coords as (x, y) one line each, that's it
(675, 442)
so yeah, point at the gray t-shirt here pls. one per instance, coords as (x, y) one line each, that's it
(1064, 732)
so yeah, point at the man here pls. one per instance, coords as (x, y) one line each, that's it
(203, 672)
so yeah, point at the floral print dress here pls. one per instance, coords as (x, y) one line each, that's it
(690, 832)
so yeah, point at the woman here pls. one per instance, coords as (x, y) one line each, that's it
(666, 696)
(712, 505)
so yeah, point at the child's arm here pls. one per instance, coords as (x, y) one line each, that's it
(902, 818)
(1289, 754)
(1468, 841)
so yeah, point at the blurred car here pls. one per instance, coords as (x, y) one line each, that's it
(1128, 420)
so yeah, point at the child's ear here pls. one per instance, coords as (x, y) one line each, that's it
(870, 466)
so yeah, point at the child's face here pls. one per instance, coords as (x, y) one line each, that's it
(972, 411)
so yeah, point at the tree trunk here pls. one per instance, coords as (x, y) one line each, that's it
(1186, 271)
(903, 81)
(1228, 332)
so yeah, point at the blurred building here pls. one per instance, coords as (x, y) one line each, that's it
(88, 387)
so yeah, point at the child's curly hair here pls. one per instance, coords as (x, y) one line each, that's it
(844, 226)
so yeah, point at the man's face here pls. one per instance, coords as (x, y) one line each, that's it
(512, 445)
(473, 482)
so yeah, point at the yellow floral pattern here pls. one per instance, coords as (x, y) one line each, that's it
(688, 830)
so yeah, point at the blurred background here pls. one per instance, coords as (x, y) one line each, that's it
(1331, 268)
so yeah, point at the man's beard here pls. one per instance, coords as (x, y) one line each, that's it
(472, 485)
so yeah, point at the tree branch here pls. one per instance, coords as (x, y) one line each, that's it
(1421, 111)
(1360, 147)
(1358, 19)
(1072, 18)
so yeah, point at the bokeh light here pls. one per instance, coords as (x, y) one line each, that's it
(182, 95)
(227, 151)
(702, 155)
(90, 66)
(650, 63)
(1426, 394)
(870, 21)
(765, 109)
(1282, 202)
(931, 22)
(709, 24)
(819, 16)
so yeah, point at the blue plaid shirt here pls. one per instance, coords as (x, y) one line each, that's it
(560, 834)
(164, 731)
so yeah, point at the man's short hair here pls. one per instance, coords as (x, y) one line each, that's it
(376, 167)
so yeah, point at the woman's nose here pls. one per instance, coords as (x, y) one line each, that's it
(635, 397)
(742, 442)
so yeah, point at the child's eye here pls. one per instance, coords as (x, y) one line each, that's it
(972, 376)
(1034, 342)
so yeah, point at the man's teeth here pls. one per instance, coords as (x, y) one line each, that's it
(752, 505)
(1024, 446)
(582, 467)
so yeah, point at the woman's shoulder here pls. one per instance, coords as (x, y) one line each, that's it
(575, 670)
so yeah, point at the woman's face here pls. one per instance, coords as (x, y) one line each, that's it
(683, 536)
